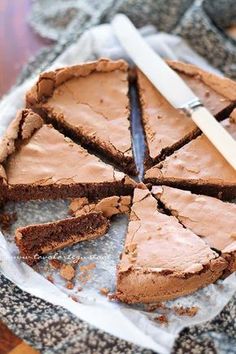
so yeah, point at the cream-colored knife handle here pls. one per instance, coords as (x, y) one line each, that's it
(219, 137)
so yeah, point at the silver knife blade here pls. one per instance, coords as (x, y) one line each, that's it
(170, 85)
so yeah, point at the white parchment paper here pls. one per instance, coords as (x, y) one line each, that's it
(132, 323)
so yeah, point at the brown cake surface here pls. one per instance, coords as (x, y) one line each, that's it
(90, 101)
(161, 259)
(109, 206)
(167, 128)
(165, 256)
(198, 166)
(208, 217)
(34, 241)
(41, 163)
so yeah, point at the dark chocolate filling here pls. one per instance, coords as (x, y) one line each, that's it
(93, 191)
(224, 192)
(36, 237)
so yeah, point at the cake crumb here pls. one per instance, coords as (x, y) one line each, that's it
(69, 285)
(112, 297)
(50, 278)
(55, 263)
(7, 219)
(104, 291)
(86, 270)
(76, 261)
(221, 286)
(67, 272)
(162, 319)
(154, 307)
(79, 288)
(88, 267)
(186, 311)
(84, 278)
(74, 298)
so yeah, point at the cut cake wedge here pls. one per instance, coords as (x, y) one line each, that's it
(198, 166)
(210, 218)
(161, 259)
(38, 162)
(90, 102)
(166, 128)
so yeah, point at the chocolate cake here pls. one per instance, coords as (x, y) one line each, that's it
(34, 241)
(210, 218)
(174, 245)
(90, 102)
(198, 166)
(162, 260)
(109, 206)
(166, 128)
(38, 162)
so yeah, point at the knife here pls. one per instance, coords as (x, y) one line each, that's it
(172, 87)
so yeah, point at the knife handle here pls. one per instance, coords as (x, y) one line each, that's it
(215, 132)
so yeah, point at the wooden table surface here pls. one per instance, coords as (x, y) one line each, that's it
(10, 344)
(18, 43)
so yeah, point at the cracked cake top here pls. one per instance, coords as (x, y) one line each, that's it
(161, 258)
(167, 128)
(35, 154)
(91, 101)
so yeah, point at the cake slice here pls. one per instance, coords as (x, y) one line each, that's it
(162, 260)
(90, 102)
(34, 241)
(38, 162)
(109, 206)
(198, 166)
(166, 128)
(208, 217)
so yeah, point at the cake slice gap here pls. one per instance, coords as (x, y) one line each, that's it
(36, 241)
(161, 259)
(90, 102)
(166, 128)
(38, 162)
(199, 167)
(210, 218)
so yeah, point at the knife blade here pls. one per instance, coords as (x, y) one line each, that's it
(172, 87)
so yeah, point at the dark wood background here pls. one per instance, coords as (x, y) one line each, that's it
(18, 43)
(11, 344)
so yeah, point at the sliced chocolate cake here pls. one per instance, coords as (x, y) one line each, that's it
(162, 260)
(90, 102)
(166, 128)
(210, 218)
(34, 241)
(38, 162)
(198, 166)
